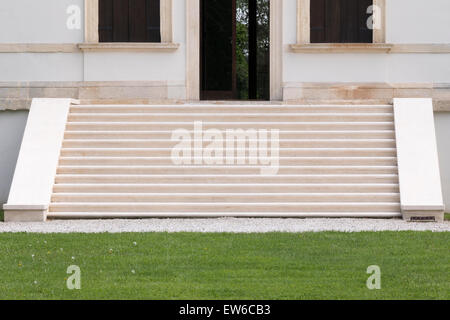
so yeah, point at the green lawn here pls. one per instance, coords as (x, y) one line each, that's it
(327, 265)
(447, 216)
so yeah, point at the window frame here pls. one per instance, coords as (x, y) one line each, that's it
(92, 19)
(304, 24)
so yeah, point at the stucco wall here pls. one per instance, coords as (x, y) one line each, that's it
(418, 21)
(44, 21)
(408, 21)
(12, 126)
(442, 124)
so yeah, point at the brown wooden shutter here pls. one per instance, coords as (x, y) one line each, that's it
(153, 21)
(137, 23)
(105, 21)
(121, 20)
(129, 21)
(365, 34)
(318, 33)
(340, 21)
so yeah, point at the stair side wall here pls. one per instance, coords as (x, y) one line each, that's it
(36, 166)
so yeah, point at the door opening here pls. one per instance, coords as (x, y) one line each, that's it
(234, 48)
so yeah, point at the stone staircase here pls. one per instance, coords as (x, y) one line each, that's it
(334, 161)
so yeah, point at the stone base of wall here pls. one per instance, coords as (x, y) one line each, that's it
(313, 93)
(18, 95)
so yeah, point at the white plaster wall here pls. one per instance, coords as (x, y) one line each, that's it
(442, 124)
(41, 67)
(418, 21)
(38, 21)
(375, 67)
(129, 66)
(44, 21)
(151, 66)
(408, 21)
(12, 126)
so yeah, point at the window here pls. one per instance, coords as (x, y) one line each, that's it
(340, 21)
(129, 21)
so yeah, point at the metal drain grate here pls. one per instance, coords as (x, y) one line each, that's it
(423, 219)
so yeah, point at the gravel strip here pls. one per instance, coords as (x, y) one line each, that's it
(233, 225)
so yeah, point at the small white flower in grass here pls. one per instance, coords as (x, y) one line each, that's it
(73, 258)
(45, 241)
(32, 256)
(60, 249)
(35, 282)
(135, 243)
(110, 250)
(133, 272)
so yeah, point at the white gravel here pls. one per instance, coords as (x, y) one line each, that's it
(234, 225)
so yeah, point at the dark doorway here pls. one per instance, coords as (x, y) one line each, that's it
(234, 49)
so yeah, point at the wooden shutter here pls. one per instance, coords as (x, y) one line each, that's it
(340, 21)
(153, 21)
(129, 21)
(121, 21)
(137, 23)
(318, 33)
(365, 34)
(105, 21)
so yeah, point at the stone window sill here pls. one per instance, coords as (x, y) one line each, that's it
(340, 48)
(129, 46)
(369, 48)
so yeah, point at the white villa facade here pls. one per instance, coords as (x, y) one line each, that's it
(57, 49)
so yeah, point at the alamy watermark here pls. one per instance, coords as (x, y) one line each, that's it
(227, 147)
(74, 280)
(73, 21)
(374, 281)
(374, 21)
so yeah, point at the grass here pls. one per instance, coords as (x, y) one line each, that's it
(1, 215)
(327, 265)
(447, 216)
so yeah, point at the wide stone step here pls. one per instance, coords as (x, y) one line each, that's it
(292, 143)
(225, 197)
(225, 207)
(303, 161)
(225, 188)
(214, 178)
(213, 214)
(230, 117)
(231, 170)
(283, 152)
(95, 135)
(215, 109)
(286, 126)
